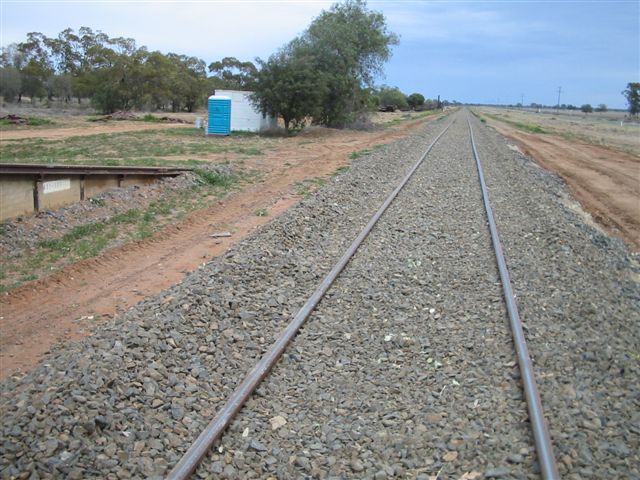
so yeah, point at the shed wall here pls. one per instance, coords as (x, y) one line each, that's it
(244, 117)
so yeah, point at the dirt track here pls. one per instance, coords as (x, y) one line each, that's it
(605, 181)
(89, 129)
(64, 306)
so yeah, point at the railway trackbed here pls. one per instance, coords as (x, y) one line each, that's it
(406, 367)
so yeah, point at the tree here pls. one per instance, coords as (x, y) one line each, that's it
(38, 67)
(10, 83)
(415, 100)
(350, 44)
(392, 96)
(189, 82)
(289, 85)
(601, 108)
(233, 74)
(586, 108)
(632, 94)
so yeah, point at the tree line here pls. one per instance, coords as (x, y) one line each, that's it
(326, 74)
(113, 73)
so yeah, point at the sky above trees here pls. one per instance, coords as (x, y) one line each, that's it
(487, 52)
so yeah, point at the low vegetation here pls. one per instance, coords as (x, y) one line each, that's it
(307, 187)
(525, 127)
(362, 153)
(143, 148)
(17, 121)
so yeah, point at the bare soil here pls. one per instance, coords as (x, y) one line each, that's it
(89, 128)
(68, 304)
(605, 181)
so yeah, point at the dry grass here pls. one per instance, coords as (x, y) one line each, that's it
(603, 129)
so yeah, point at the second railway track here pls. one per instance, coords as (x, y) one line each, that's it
(406, 368)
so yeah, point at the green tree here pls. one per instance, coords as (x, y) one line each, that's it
(632, 94)
(233, 74)
(38, 66)
(350, 44)
(189, 83)
(415, 100)
(586, 108)
(392, 96)
(289, 85)
(10, 83)
(59, 86)
(601, 108)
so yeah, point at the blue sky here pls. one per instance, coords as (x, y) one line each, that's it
(489, 51)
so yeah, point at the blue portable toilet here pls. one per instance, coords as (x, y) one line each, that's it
(219, 115)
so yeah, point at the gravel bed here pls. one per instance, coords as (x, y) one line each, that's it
(127, 401)
(407, 367)
(579, 296)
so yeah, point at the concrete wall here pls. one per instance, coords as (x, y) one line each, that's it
(63, 196)
(17, 191)
(16, 196)
(96, 185)
(130, 180)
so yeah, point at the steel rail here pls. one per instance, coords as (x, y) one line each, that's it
(56, 169)
(190, 460)
(541, 436)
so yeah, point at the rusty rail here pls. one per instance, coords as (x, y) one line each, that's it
(541, 436)
(190, 460)
(52, 169)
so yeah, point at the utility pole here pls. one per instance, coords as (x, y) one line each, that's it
(559, 92)
(522, 99)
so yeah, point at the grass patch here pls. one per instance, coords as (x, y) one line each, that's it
(306, 187)
(31, 121)
(130, 216)
(525, 127)
(151, 119)
(208, 177)
(366, 151)
(244, 134)
(144, 148)
(359, 153)
(340, 170)
(65, 243)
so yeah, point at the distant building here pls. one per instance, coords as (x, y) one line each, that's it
(244, 116)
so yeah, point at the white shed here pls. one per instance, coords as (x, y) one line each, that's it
(244, 116)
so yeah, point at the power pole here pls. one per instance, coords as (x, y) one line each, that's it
(559, 92)
(522, 99)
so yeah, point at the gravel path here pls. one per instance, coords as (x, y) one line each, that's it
(406, 369)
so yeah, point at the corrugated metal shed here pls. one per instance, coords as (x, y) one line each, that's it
(244, 117)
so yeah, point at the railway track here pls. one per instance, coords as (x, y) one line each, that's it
(406, 367)
(199, 449)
